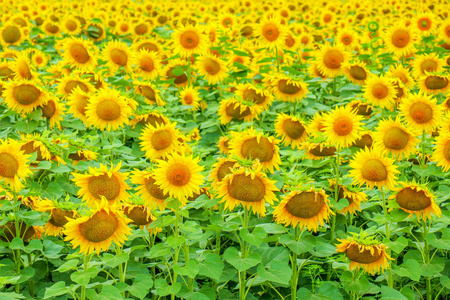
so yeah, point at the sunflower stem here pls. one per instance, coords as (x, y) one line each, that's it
(30, 283)
(388, 234)
(242, 274)
(422, 161)
(336, 199)
(176, 234)
(294, 256)
(426, 256)
(87, 259)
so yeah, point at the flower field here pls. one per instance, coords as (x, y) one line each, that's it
(225, 150)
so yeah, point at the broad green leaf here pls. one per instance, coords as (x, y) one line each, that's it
(410, 269)
(398, 245)
(273, 228)
(233, 257)
(436, 266)
(34, 245)
(159, 250)
(164, 289)
(388, 293)
(255, 238)
(212, 266)
(306, 243)
(55, 290)
(175, 242)
(17, 244)
(141, 286)
(69, 265)
(278, 272)
(109, 292)
(113, 261)
(190, 269)
(83, 279)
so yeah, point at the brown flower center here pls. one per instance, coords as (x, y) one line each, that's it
(357, 73)
(108, 110)
(154, 189)
(436, 82)
(235, 111)
(325, 151)
(421, 112)
(224, 169)
(380, 91)
(341, 195)
(424, 24)
(103, 185)
(10, 232)
(293, 129)
(189, 39)
(148, 93)
(270, 32)
(363, 142)
(246, 31)
(262, 150)
(447, 151)
(395, 138)
(333, 59)
(49, 109)
(251, 95)
(139, 216)
(153, 120)
(400, 38)
(211, 66)
(79, 53)
(29, 148)
(11, 34)
(374, 170)
(178, 174)
(343, 126)
(177, 79)
(428, 65)
(289, 41)
(148, 46)
(411, 199)
(6, 73)
(52, 28)
(58, 217)
(8, 165)
(26, 94)
(71, 25)
(99, 227)
(74, 84)
(305, 205)
(161, 139)
(188, 99)
(288, 88)
(147, 64)
(119, 57)
(347, 39)
(363, 257)
(244, 188)
(141, 29)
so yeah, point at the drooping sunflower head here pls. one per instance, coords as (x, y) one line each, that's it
(107, 109)
(22, 68)
(371, 167)
(251, 188)
(343, 126)
(416, 199)
(101, 183)
(256, 146)
(352, 195)
(77, 103)
(330, 59)
(53, 110)
(96, 232)
(59, 212)
(150, 93)
(318, 151)
(421, 112)
(292, 129)
(159, 141)
(365, 253)
(13, 164)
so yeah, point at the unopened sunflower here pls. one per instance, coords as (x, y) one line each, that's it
(96, 232)
(416, 199)
(372, 168)
(366, 254)
(13, 164)
(251, 188)
(307, 208)
(100, 183)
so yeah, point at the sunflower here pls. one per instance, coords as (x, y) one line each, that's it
(151, 45)
(95, 31)
(78, 53)
(379, 91)
(330, 59)
(251, 188)
(101, 183)
(189, 95)
(159, 141)
(78, 101)
(356, 72)
(292, 130)
(271, 32)
(141, 28)
(152, 118)
(68, 83)
(401, 72)
(251, 93)
(400, 40)
(370, 256)
(140, 215)
(147, 64)
(175, 73)
(23, 68)
(179, 176)
(221, 169)
(354, 199)
(53, 111)
(6, 73)
(371, 167)
(441, 153)
(427, 63)
(347, 38)
(189, 40)
(11, 34)
(434, 83)
(51, 28)
(233, 109)
(212, 68)
(256, 146)
(11, 230)
(58, 216)
(117, 54)
(425, 23)
(82, 154)
(123, 27)
(317, 124)
(92, 233)
(223, 145)
(150, 93)
(421, 112)
(24, 96)
(71, 25)
(39, 59)
(342, 126)
(444, 31)
(13, 164)
(32, 143)
(393, 137)
(416, 199)
(151, 193)
(287, 89)
(107, 109)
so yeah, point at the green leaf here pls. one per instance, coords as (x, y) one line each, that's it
(164, 289)
(175, 242)
(398, 245)
(190, 269)
(277, 271)
(305, 244)
(11, 296)
(233, 257)
(17, 243)
(69, 265)
(388, 293)
(431, 269)
(445, 281)
(44, 165)
(113, 261)
(109, 292)
(255, 238)
(34, 245)
(141, 286)
(51, 249)
(26, 274)
(211, 267)
(273, 228)
(441, 243)
(410, 268)
(83, 279)
(329, 291)
(159, 250)
(55, 290)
